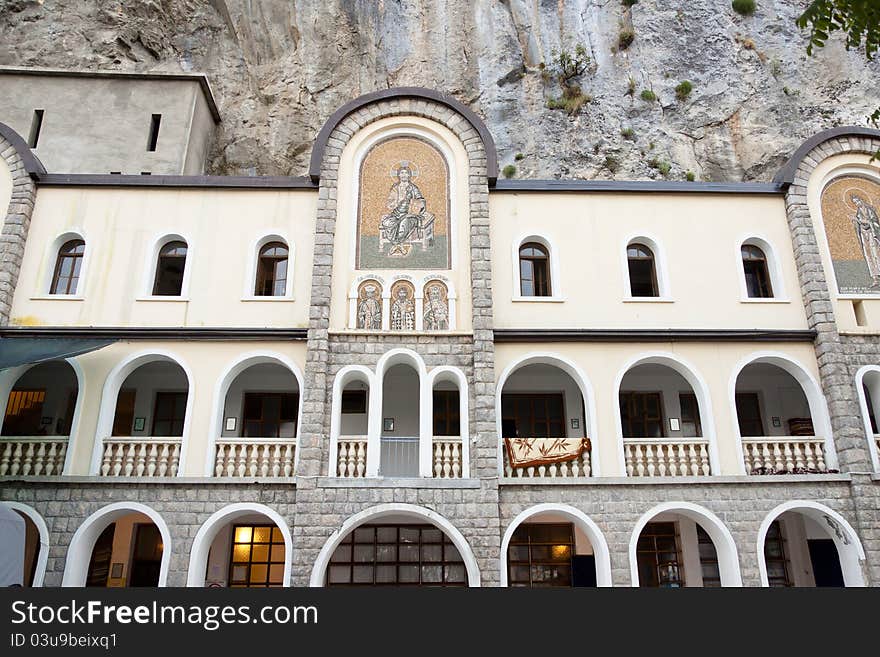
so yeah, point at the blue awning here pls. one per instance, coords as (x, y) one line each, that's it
(25, 351)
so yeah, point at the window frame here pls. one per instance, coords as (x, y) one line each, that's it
(661, 273)
(773, 267)
(533, 562)
(249, 286)
(152, 265)
(59, 259)
(554, 277)
(541, 287)
(46, 280)
(630, 396)
(261, 276)
(250, 562)
(655, 552)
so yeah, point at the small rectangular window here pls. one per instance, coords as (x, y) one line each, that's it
(155, 121)
(748, 411)
(36, 126)
(690, 415)
(354, 401)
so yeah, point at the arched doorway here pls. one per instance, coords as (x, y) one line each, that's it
(39, 415)
(806, 544)
(679, 544)
(781, 419)
(545, 417)
(400, 430)
(144, 418)
(396, 545)
(665, 420)
(554, 545)
(36, 544)
(257, 419)
(244, 545)
(124, 544)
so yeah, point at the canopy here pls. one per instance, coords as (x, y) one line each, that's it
(23, 351)
(12, 544)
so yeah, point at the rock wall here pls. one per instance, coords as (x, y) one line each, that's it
(280, 67)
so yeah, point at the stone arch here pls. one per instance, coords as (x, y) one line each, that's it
(238, 366)
(198, 555)
(43, 530)
(697, 384)
(725, 546)
(83, 542)
(581, 380)
(24, 169)
(874, 371)
(406, 101)
(396, 509)
(850, 552)
(581, 520)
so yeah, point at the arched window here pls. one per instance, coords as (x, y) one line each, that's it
(67, 267)
(534, 270)
(272, 270)
(756, 271)
(642, 271)
(169, 270)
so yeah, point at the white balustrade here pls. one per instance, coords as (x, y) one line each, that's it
(663, 457)
(447, 457)
(140, 457)
(254, 457)
(351, 458)
(574, 469)
(32, 455)
(784, 455)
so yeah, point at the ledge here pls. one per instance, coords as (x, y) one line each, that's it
(154, 333)
(158, 481)
(648, 186)
(653, 335)
(672, 481)
(173, 182)
(393, 482)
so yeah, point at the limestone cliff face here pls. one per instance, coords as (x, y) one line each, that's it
(279, 68)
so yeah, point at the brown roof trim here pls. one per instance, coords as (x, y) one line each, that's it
(654, 335)
(404, 92)
(645, 186)
(182, 182)
(153, 333)
(785, 176)
(201, 78)
(31, 162)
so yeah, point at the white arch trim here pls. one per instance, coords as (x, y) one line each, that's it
(396, 509)
(812, 391)
(110, 393)
(553, 254)
(389, 359)
(448, 373)
(581, 520)
(201, 547)
(698, 385)
(866, 418)
(248, 293)
(849, 549)
(51, 258)
(661, 270)
(153, 260)
(343, 377)
(581, 380)
(10, 377)
(725, 547)
(79, 553)
(221, 389)
(43, 530)
(774, 269)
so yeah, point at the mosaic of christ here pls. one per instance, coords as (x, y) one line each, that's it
(851, 214)
(403, 207)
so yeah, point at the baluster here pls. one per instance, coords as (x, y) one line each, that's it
(17, 459)
(39, 458)
(456, 460)
(148, 464)
(232, 461)
(650, 459)
(798, 456)
(787, 456)
(705, 467)
(587, 463)
(175, 460)
(107, 459)
(28, 462)
(262, 461)
(770, 456)
(686, 459)
(662, 457)
(820, 457)
(4, 459)
(438, 459)
(361, 459)
(116, 461)
(220, 460)
(808, 456)
(128, 451)
(276, 460)
(159, 461)
(289, 455)
(447, 460)
(52, 459)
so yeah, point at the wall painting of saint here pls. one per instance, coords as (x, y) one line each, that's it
(403, 207)
(851, 214)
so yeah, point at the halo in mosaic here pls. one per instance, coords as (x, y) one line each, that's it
(403, 207)
(851, 216)
(403, 306)
(369, 306)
